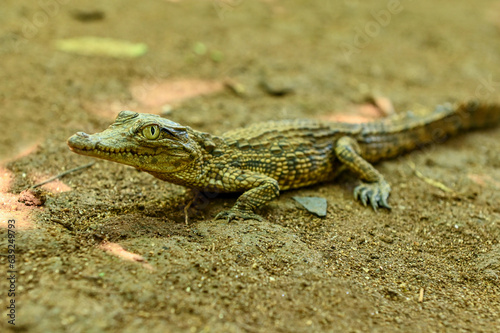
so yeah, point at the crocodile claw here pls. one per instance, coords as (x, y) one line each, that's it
(375, 193)
(233, 214)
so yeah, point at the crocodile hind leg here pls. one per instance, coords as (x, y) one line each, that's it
(374, 188)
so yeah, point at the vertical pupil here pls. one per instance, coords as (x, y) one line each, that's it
(153, 130)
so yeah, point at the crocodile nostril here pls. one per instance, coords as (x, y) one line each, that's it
(83, 134)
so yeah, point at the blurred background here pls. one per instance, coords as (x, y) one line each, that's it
(223, 63)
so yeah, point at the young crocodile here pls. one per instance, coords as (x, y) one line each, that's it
(265, 158)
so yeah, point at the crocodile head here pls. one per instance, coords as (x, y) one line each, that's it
(145, 141)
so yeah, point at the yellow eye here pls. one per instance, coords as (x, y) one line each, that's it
(151, 132)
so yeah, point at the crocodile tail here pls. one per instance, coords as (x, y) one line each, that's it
(478, 115)
(392, 137)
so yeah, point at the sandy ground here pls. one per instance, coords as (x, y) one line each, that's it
(106, 249)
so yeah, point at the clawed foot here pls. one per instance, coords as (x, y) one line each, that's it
(233, 214)
(376, 193)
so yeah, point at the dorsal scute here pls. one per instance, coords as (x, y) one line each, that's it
(282, 129)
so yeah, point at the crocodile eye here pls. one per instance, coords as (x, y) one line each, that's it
(151, 132)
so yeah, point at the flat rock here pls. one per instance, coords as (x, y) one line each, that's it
(315, 205)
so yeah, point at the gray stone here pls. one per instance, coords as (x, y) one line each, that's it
(315, 205)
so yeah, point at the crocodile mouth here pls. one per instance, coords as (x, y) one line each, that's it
(82, 144)
(100, 150)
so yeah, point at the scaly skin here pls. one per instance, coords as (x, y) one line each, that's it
(265, 158)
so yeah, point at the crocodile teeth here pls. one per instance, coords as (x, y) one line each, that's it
(122, 152)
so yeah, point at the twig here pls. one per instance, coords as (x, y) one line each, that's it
(62, 223)
(430, 181)
(421, 295)
(186, 208)
(62, 174)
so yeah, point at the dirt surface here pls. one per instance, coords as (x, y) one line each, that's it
(105, 248)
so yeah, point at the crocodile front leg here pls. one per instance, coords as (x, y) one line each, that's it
(258, 188)
(374, 188)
